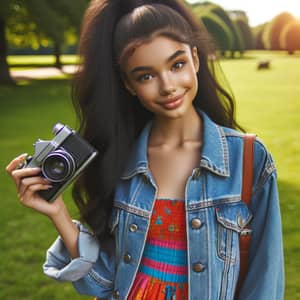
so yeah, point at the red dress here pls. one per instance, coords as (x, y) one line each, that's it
(162, 273)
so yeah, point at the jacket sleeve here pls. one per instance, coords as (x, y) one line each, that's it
(265, 277)
(91, 273)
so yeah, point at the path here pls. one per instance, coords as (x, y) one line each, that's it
(42, 72)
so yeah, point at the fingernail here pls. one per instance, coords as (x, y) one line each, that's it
(23, 155)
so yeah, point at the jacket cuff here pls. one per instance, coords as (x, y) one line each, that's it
(59, 264)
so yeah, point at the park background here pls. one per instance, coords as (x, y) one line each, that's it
(38, 40)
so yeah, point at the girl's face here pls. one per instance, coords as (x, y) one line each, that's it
(162, 74)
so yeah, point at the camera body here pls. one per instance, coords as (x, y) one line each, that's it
(61, 160)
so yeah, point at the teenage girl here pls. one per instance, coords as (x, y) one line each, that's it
(163, 199)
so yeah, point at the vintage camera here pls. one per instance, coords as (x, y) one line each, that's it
(61, 159)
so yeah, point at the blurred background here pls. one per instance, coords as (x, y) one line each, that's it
(258, 46)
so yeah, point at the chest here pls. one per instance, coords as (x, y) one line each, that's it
(171, 169)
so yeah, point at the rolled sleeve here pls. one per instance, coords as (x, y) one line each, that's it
(59, 264)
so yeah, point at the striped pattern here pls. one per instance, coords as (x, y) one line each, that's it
(163, 270)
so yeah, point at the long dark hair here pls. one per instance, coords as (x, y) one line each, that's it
(109, 118)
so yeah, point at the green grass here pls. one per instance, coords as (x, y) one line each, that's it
(267, 104)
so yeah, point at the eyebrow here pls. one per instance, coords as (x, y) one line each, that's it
(170, 58)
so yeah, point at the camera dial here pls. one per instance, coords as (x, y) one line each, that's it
(57, 128)
(58, 166)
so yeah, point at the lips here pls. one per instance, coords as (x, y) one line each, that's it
(174, 102)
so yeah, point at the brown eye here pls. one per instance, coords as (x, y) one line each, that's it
(178, 65)
(144, 77)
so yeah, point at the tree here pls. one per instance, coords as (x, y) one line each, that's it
(34, 22)
(55, 17)
(273, 30)
(245, 31)
(226, 33)
(238, 44)
(257, 32)
(4, 68)
(219, 31)
(289, 37)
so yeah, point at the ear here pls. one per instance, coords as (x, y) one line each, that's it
(128, 86)
(195, 58)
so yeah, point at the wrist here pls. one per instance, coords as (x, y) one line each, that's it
(60, 216)
(58, 210)
(67, 230)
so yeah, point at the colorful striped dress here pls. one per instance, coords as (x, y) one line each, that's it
(162, 273)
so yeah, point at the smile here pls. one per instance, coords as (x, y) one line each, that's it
(174, 102)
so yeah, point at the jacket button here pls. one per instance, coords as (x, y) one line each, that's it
(116, 294)
(196, 223)
(127, 258)
(133, 227)
(197, 267)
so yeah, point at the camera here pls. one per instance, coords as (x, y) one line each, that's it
(61, 160)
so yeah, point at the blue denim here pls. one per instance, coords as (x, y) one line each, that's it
(213, 198)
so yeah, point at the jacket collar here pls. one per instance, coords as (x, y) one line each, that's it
(214, 156)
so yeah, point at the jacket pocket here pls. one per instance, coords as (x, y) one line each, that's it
(231, 221)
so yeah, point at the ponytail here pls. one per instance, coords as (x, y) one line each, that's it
(96, 91)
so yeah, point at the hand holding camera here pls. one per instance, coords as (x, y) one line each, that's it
(28, 183)
(51, 169)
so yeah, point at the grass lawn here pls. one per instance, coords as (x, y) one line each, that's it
(268, 103)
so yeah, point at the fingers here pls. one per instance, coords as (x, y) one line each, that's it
(28, 188)
(32, 183)
(27, 198)
(15, 162)
(26, 172)
(29, 181)
(18, 175)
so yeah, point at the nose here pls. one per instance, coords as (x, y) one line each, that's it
(167, 85)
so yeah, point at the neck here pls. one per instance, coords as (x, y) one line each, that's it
(176, 132)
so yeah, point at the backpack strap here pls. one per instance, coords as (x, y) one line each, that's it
(245, 236)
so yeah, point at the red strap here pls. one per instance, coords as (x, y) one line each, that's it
(248, 158)
(248, 167)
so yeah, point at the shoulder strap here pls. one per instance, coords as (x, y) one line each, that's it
(248, 158)
(248, 167)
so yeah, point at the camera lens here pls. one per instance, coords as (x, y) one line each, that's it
(58, 166)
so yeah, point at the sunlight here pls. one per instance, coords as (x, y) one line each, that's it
(259, 11)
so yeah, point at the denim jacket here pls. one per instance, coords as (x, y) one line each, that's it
(215, 217)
